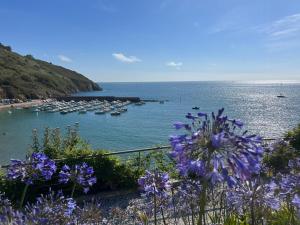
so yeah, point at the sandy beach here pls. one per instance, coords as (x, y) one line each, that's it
(21, 105)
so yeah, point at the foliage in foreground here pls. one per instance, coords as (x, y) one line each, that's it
(281, 152)
(71, 150)
(294, 138)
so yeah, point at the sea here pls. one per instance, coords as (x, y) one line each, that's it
(254, 102)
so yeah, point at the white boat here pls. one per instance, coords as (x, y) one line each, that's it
(100, 112)
(123, 110)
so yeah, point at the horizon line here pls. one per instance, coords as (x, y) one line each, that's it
(185, 81)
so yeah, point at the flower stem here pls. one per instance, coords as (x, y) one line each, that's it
(73, 190)
(155, 209)
(173, 203)
(193, 217)
(163, 216)
(23, 195)
(202, 205)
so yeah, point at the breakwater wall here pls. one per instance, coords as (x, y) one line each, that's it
(100, 98)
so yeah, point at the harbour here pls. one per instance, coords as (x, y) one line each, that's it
(81, 104)
(115, 107)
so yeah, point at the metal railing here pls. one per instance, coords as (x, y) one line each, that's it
(131, 151)
(139, 151)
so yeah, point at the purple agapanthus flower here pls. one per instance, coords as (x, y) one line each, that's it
(8, 215)
(37, 166)
(294, 164)
(290, 184)
(253, 193)
(179, 125)
(82, 174)
(215, 150)
(155, 183)
(52, 208)
(296, 201)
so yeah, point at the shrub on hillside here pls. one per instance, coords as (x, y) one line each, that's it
(282, 151)
(294, 138)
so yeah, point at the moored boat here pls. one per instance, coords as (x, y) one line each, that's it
(82, 111)
(115, 113)
(100, 112)
(281, 96)
(123, 110)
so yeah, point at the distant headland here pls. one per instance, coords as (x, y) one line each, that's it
(24, 77)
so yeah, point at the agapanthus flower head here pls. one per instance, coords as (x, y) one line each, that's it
(256, 192)
(215, 148)
(8, 215)
(52, 208)
(4, 201)
(82, 174)
(294, 164)
(289, 185)
(296, 200)
(155, 183)
(187, 194)
(37, 166)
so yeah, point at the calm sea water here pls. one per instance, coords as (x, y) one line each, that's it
(142, 126)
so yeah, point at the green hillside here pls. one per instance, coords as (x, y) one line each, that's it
(26, 77)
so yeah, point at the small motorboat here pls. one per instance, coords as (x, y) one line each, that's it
(281, 96)
(116, 113)
(196, 108)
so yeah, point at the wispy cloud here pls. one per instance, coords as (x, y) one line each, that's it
(176, 65)
(126, 59)
(281, 34)
(286, 27)
(231, 21)
(276, 35)
(64, 58)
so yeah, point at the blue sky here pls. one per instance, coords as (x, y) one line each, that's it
(152, 40)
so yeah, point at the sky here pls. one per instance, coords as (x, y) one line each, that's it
(159, 40)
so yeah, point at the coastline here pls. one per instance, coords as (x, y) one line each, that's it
(21, 105)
